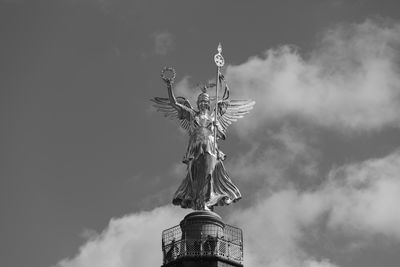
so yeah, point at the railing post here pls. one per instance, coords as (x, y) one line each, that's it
(201, 245)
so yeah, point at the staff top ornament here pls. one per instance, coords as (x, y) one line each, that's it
(218, 58)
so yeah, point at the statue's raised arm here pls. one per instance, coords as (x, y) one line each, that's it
(174, 107)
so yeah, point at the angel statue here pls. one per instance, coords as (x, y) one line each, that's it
(207, 183)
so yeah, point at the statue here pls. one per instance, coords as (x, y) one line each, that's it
(207, 183)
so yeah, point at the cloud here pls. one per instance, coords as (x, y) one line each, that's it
(356, 204)
(364, 197)
(163, 42)
(133, 240)
(184, 88)
(349, 82)
(273, 228)
(275, 156)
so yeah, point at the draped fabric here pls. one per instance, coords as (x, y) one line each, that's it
(207, 183)
(199, 192)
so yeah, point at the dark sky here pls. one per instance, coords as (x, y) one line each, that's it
(80, 143)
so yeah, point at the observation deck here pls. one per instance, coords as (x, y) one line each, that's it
(202, 237)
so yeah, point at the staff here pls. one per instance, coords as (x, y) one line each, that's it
(219, 61)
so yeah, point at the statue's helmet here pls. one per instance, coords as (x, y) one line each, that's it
(203, 97)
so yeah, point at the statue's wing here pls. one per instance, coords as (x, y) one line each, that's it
(231, 110)
(164, 106)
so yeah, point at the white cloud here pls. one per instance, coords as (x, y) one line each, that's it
(186, 89)
(276, 156)
(358, 200)
(163, 42)
(364, 197)
(323, 263)
(273, 228)
(351, 81)
(133, 240)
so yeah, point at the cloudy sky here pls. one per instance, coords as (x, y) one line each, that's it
(88, 168)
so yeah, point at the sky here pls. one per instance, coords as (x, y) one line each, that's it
(88, 168)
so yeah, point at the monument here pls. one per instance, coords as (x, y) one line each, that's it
(202, 238)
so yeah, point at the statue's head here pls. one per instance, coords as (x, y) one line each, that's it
(203, 101)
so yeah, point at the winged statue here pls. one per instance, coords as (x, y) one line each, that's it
(207, 183)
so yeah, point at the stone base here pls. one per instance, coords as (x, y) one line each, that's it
(203, 240)
(201, 224)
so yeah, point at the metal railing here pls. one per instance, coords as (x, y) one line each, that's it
(227, 244)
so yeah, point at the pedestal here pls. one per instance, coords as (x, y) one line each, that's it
(202, 239)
